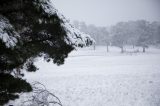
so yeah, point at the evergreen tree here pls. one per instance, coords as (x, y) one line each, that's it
(30, 29)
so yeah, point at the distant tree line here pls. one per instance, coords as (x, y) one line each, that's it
(133, 33)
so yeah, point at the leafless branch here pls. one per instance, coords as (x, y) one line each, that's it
(42, 97)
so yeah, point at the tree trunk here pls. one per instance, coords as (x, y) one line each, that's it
(144, 49)
(94, 47)
(122, 50)
(133, 46)
(107, 48)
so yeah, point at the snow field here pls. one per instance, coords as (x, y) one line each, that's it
(98, 78)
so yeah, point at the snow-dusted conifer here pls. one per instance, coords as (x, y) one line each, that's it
(29, 29)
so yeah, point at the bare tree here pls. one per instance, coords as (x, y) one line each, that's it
(41, 97)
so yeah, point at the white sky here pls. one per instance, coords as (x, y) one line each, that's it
(109, 12)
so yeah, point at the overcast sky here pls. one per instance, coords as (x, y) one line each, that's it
(109, 12)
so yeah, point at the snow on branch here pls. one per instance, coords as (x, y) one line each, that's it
(7, 33)
(74, 36)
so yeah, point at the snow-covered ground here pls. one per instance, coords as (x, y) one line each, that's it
(97, 78)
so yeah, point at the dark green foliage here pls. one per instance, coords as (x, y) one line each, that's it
(9, 85)
(40, 34)
(36, 37)
(31, 67)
